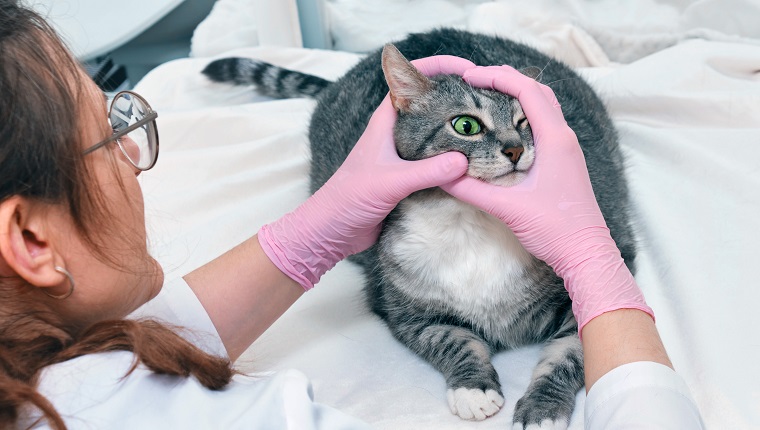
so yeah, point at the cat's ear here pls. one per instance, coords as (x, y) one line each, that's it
(405, 82)
(532, 72)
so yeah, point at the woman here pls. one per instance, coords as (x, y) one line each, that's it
(73, 259)
(73, 243)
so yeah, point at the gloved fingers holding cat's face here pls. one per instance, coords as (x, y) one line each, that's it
(556, 191)
(391, 178)
(442, 65)
(535, 97)
(397, 178)
(539, 103)
(557, 148)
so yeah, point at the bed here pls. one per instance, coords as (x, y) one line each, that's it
(682, 83)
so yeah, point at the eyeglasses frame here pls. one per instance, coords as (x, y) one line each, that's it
(150, 116)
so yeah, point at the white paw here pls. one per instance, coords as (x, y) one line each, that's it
(546, 424)
(474, 404)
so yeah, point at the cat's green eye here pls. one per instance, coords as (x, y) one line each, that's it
(466, 125)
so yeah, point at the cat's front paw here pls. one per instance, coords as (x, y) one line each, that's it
(547, 424)
(542, 411)
(473, 403)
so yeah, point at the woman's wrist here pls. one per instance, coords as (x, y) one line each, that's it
(602, 283)
(618, 337)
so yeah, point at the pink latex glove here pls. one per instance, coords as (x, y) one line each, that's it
(343, 217)
(553, 212)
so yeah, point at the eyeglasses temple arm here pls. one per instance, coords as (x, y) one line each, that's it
(148, 118)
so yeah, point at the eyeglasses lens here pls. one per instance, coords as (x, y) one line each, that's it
(139, 144)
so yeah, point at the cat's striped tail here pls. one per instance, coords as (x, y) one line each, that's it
(269, 79)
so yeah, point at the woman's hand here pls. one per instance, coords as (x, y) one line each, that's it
(553, 212)
(343, 217)
(555, 201)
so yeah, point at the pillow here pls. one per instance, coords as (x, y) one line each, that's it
(230, 24)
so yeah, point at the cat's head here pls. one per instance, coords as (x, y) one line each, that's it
(443, 113)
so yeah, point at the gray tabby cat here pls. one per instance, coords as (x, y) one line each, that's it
(453, 283)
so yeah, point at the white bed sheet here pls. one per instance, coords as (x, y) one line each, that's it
(689, 121)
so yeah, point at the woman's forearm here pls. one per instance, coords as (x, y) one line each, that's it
(243, 293)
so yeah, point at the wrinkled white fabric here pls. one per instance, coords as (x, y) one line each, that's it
(642, 395)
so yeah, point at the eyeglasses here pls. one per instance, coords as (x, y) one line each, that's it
(134, 130)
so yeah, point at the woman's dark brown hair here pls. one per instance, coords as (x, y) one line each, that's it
(41, 121)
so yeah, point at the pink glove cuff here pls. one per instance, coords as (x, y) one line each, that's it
(616, 289)
(276, 252)
(296, 243)
(306, 243)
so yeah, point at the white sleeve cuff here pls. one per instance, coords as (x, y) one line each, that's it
(641, 395)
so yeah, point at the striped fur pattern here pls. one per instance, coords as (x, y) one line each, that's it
(271, 81)
(453, 283)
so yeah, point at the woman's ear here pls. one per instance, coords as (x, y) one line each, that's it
(26, 246)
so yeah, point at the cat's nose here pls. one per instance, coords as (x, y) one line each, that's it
(513, 153)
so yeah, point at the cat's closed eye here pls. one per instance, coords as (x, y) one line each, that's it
(466, 125)
(521, 123)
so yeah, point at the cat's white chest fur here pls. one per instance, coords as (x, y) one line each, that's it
(448, 250)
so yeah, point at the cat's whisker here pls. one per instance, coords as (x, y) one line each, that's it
(559, 80)
(541, 73)
(472, 53)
